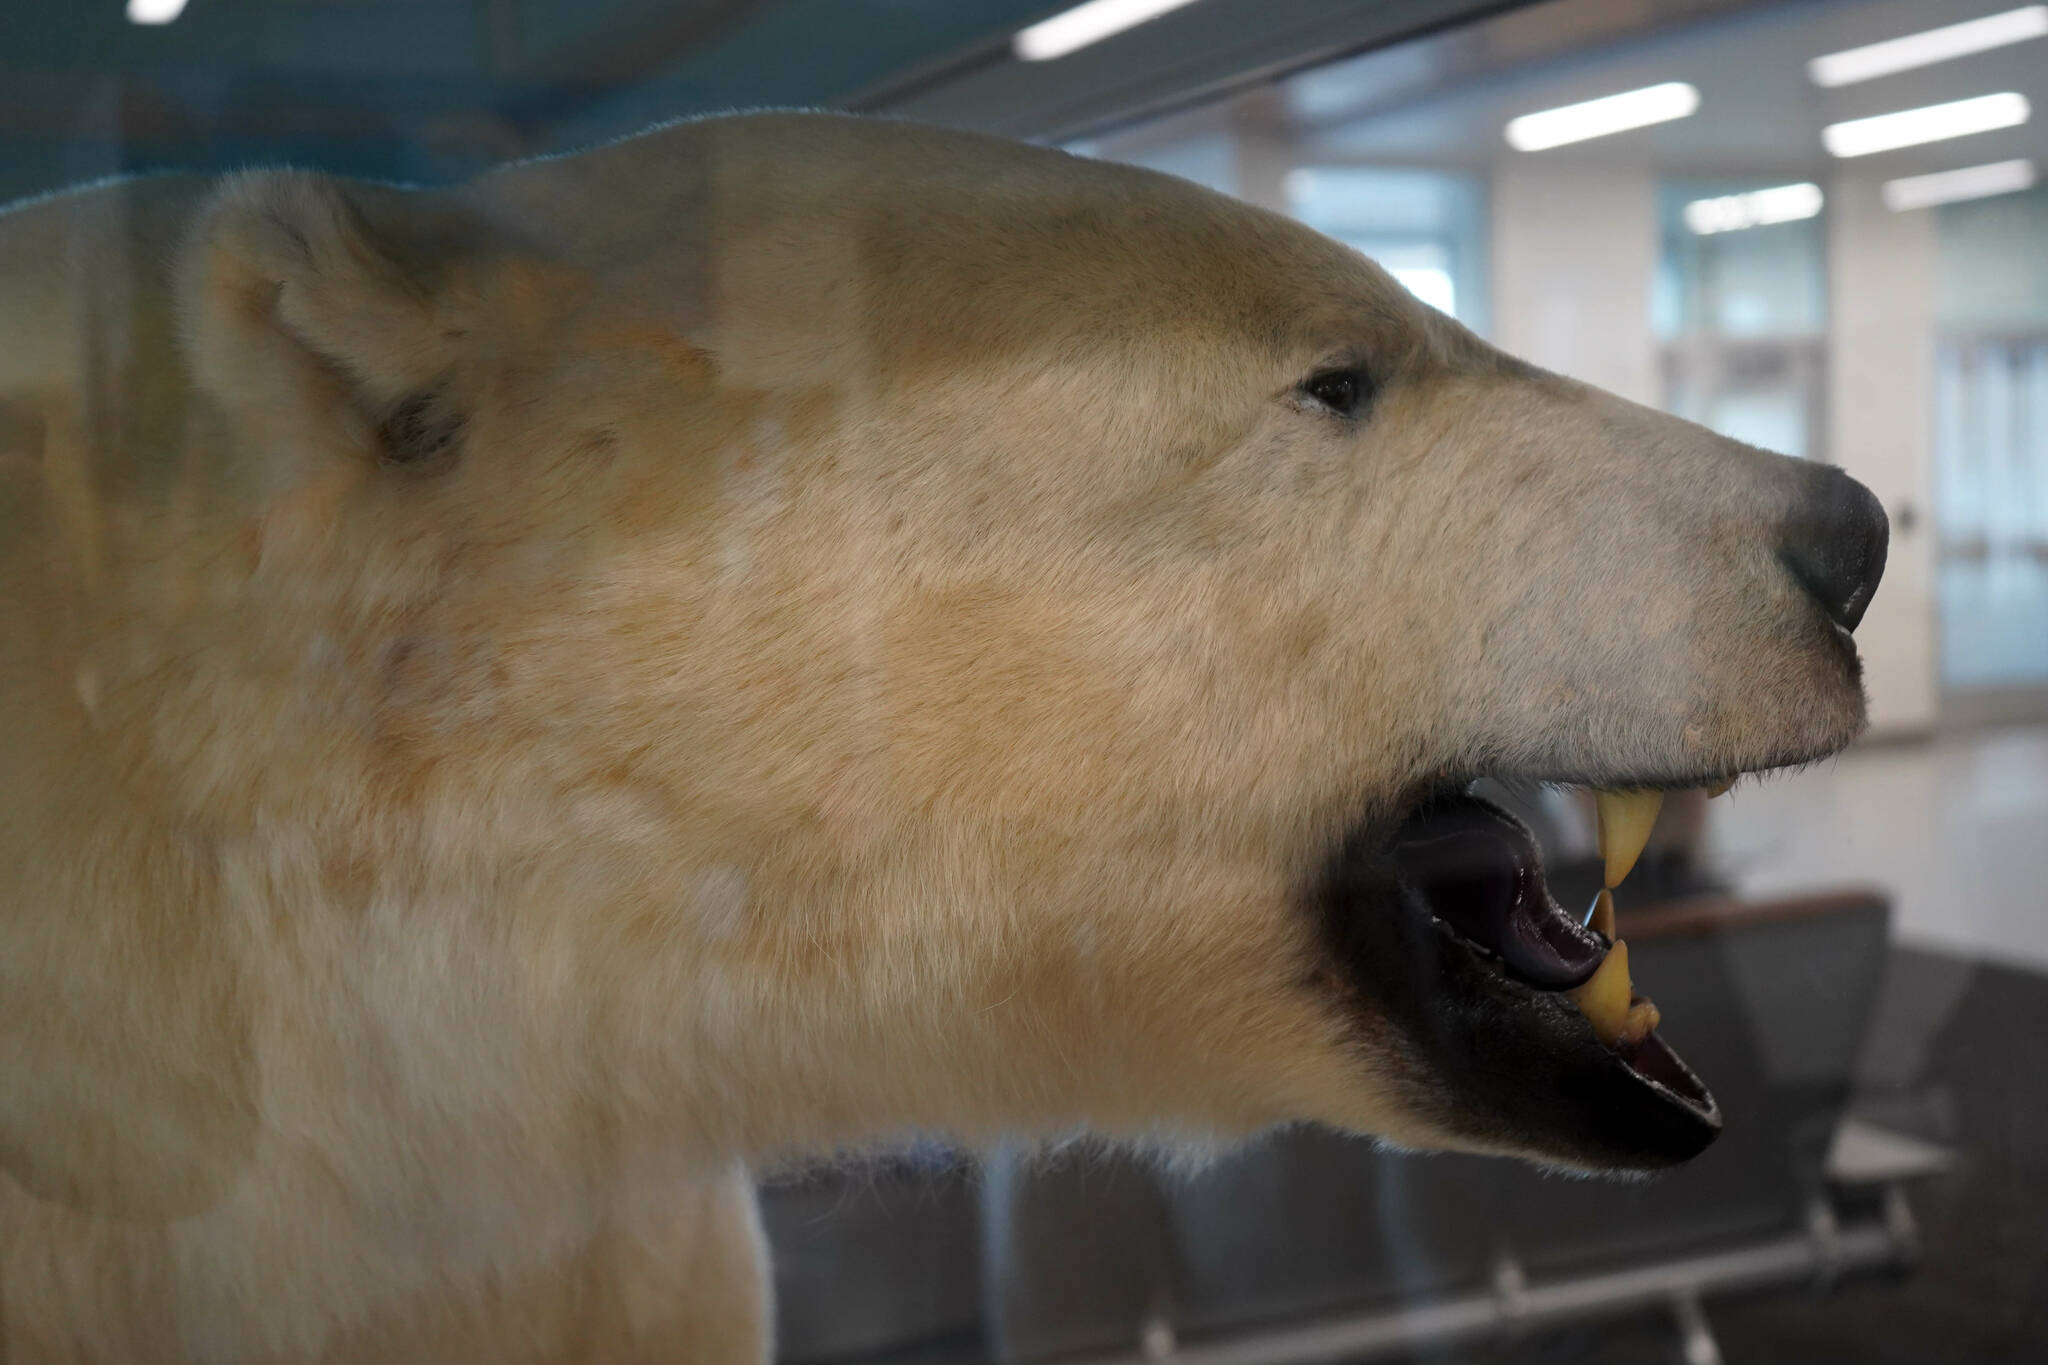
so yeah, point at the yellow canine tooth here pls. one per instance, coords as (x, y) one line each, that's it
(1720, 788)
(1624, 826)
(1602, 918)
(1604, 996)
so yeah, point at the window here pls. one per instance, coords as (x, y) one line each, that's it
(1991, 447)
(1426, 227)
(1741, 309)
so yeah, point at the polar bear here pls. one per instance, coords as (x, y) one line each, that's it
(525, 702)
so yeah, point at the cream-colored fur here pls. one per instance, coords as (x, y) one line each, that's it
(521, 700)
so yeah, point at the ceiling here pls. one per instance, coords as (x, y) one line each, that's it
(430, 90)
(427, 89)
(1759, 113)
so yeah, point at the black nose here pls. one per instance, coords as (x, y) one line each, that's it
(1834, 543)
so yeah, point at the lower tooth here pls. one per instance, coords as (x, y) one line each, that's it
(1605, 996)
(1641, 1022)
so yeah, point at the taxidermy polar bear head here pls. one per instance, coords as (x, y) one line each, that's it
(791, 629)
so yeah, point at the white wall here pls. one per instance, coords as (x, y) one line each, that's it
(1262, 164)
(1574, 255)
(1882, 298)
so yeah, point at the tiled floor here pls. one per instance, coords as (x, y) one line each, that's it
(1956, 828)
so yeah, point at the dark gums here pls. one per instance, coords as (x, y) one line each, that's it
(1481, 874)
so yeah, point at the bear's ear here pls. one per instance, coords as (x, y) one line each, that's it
(127, 1079)
(323, 319)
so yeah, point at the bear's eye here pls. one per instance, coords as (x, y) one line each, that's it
(1343, 392)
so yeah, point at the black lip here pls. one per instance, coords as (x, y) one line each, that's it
(1493, 1061)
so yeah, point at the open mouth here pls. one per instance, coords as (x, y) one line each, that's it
(1520, 1014)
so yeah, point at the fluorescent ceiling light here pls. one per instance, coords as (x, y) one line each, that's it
(1085, 24)
(1757, 208)
(1911, 127)
(1924, 49)
(154, 11)
(1598, 118)
(1947, 187)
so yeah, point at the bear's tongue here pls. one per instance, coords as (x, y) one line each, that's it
(1480, 872)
